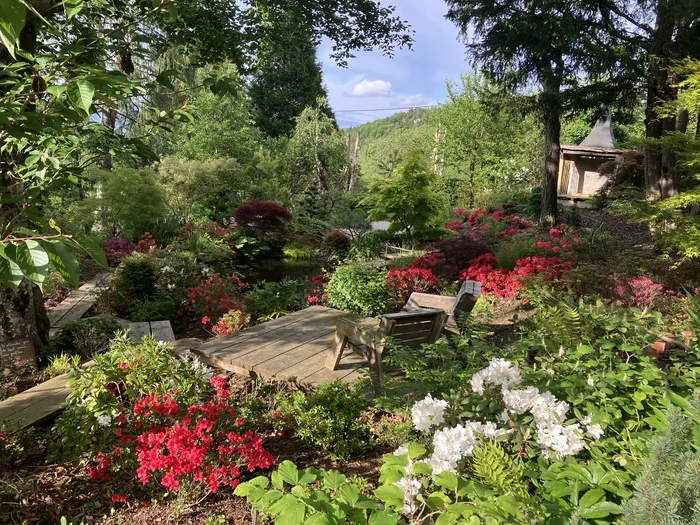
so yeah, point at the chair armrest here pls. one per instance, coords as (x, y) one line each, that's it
(355, 331)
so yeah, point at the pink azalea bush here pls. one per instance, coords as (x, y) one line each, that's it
(117, 249)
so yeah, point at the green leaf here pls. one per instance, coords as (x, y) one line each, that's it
(349, 494)
(591, 497)
(446, 480)
(381, 517)
(415, 450)
(333, 479)
(447, 519)
(10, 274)
(293, 514)
(289, 472)
(80, 95)
(33, 260)
(13, 15)
(73, 7)
(389, 492)
(94, 250)
(64, 261)
(601, 510)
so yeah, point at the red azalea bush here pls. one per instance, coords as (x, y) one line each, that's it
(436, 262)
(642, 292)
(499, 223)
(402, 282)
(171, 445)
(213, 298)
(504, 283)
(318, 293)
(116, 249)
(146, 244)
(560, 241)
(231, 322)
(454, 225)
(460, 213)
(263, 216)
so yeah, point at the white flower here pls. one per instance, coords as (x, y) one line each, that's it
(167, 269)
(440, 465)
(104, 420)
(171, 286)
(427, 413)
(161, 344)
(560, 439)
(205, 270)
(590, 382)
(547, 408)
(500, 372)
(587, 420)
(491, 431)
(402, 450)
(594, 431)
(520, 401)
(411, 489)
(452, 444)
(505, 417)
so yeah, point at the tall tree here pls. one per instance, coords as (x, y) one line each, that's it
(288, 81)
(547, 42)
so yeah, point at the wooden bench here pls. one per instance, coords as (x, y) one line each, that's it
(368, 338)
(466, 299)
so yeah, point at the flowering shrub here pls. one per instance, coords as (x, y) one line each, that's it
(642, 292)
(436, 263)
(506, 283)
(318, 293)
(213, 298)
(460, 213)
(116, 249)
(146, 243)
(263, 216)
(231, 322)
(497, 224)
(454, 225)
(560, 242)
(402, 282)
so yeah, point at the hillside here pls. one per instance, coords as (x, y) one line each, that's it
(383, 142)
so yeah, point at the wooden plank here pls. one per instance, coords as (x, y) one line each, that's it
(162, 331)
(255, 360)
(273, 363)
(137, 331)
(78, 302)
(225, 344)
(323, 375)
(36, 404)
(300, 329)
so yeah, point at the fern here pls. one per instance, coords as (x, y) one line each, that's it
(497, 471)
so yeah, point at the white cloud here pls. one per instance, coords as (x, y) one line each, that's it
(412, 100)
(372, 88)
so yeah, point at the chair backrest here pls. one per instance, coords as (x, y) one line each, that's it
(469, 293)
(414, 328)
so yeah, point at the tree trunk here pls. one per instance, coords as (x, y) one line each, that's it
(697, 127)
(23, 314)
(552, 136)
(682, 122)
(661, 175)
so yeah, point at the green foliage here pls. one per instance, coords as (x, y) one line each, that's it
(14, 443)
(406, 200)
(119, 378)
(497, 471)
(84, 337)
(329, 418)
(135, 278)
(275, 299)
(312, 495)
(298, 250)
(61, 364)
(163, 306)
(677, 230)
(359, 288)
(514, 248)
(667, 489)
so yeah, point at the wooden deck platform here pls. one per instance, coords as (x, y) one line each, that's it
(293, 346)
(78, 302)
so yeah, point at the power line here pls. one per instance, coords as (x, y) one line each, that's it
(381, 109)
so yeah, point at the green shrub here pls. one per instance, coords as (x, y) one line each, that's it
(163, 307)
(275, 299)
(329, 418)
(84, 337)
(135, 278)
(359, 288)
(61, 364)
(179, 271)
(510, 251)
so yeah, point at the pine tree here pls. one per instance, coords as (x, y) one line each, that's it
(289, 80)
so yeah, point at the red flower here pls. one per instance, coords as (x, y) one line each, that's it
(206, 319)
(218, 382)
(119, 498)
(124, 366)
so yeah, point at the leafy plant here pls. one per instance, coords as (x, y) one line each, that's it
(359, 288)
(61, 364)
(85, 337)
(329, 418)
(163, 306)
(275, 299)
(135, 278)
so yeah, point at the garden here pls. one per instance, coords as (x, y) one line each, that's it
(184, 155)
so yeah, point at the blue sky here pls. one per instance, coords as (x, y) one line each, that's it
(412, 78)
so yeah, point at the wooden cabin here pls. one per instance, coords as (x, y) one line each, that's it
(578, 165)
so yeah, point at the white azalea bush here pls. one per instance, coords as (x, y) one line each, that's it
(521, 467)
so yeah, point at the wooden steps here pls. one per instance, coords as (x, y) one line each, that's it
(78, 302)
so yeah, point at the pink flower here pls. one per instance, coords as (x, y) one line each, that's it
(119, 498)
(312, 299)
(206, 319)
(577, 240)
(124, 366)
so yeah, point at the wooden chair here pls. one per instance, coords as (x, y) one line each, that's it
(410, 329)
(468, 295)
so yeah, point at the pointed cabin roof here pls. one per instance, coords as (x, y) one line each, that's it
(601, 136)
